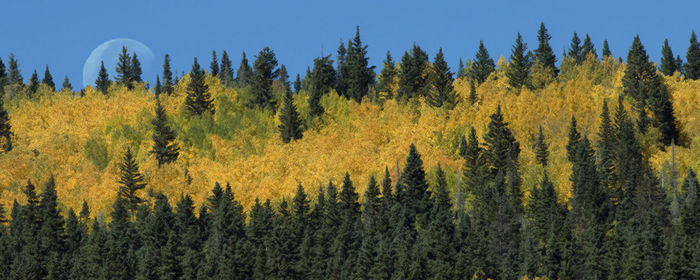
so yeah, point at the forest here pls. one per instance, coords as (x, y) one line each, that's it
(519, 168)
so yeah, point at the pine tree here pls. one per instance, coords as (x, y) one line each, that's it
(33, 84)
(214, 65)
(668, 62)
(413, 193)
(483, 64)
(3, 77)
(542, 149)
(412, 83)
(14, 77)
(386, 77)
(164, 148)
(198, 98)
(284, 78)
(170, 267)
(502, 147)
(519, 67)
(290, 124)
(588, 47)
(442, 93)
(5, 128)
(692, 58)
(167, 76)
(322, 80)
(66, 84)
(51, 233)
(130, 180)
(102, 83)
(472, 92)
(576, 50)
(606, 146)
(261, 82)
(245, 73)
(135, 70)
(48, 80)
(544, 54)
(226, 72)
(297, 84)
(123, 68)
(158, 89)
(360, 74)
(606, 49)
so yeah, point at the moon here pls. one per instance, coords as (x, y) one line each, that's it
(109, 53)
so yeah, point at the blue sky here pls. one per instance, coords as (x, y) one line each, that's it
(63, 33)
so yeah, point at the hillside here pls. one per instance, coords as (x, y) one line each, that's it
(80, 140)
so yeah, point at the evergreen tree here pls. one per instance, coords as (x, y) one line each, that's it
(668, 62)
(66, 84)
(48, 79)
(322, 80)
(297, 84)
(519, 67)
(606, 49)
(198, 98)
(413, 192)
(102, 83)
(167, 76)
(245, 73)
(360, 74)
(541, 149)
(164, 148)
(135, 70)
(588, 47)
(442, 93)
(3, 77)
(263, 75)
(170, 267)
(606, 153)
(341, 85)
(502, 148)
(483, 64)
(14, 77)
(576, 50)
(33, 84)
(284, 78)
(460, 70)
(411, 80)
(386, 77)
(214, 65)
(692, 58)
(130, 180)
(123, 68)
(5, 128)
(290, 124)
(472, 92)
(643, 84)
(157, 90)
(544, 54)
(226, 72)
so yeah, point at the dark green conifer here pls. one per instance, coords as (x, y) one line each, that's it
(164, 148)
(198, 98)
(442, 92)
(131, 181)
(483, 64)
(33, 84)
(226, 71)
(5, 128)
(284, 78)
(692, 58)
(576, 50)
(412, 82)
(123, 68)
(386, 77)
(360, 74)
(48, 79)
(544, 54)
(214, 65)
(167, 76)
(588, 47)
(245, 73)
(502, 147)
(460, 70)
(668, 62)
(14, 77)
(297, 84)
(135, 70)
(102, 83)
(541, 149)
(413, 193)
(261, 81)
(66, 84)
(341, 85)
(322, 80)
(158, 89)
(606, 49)
(290, 124)
(519, 67)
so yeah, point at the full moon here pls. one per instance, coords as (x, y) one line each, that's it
(109, 53)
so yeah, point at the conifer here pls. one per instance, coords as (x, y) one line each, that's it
(386, 76)
(164, 148)
(130, 181)
(5, 128)
(33, 84)
(14, 77)
(483, 64)
(442, 93)
(606, 49)
(135, 70)
(263, 75)
(214, 65)
(519, 67)
(588, 47)
(198, 98)
(48, 79)
(544, 54)
(360, 74)
(541, 149)
(245, 73)
(66, 84)
(167, 76)
(226, 71)
(576, 50)
(692, 58)
(102, 84)
(284, 78)
(668, 62)
(290, 124)
(322, 80)
(297, 84)
(123, 68)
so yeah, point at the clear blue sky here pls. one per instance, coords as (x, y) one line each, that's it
(63, 33)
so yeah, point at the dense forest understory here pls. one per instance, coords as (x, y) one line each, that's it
(515, 169)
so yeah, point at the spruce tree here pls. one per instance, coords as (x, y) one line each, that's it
(198, 98)
(167, 76)
(284, 78)
(588, 47)
(14, 77)
(123, 68)
(66, 84)
(413, 192)
(541, 149)
(519, 67)
(3, 77)
(360, 74)
(214, 65)
(48, 80)
(679, 65)
(544, 54)
(102, 83)
(290, 124)
(164, 148)
(297, 84)
(668, 62)
(442, 93)
(460, 70)
(576, 50)
(226, 72)
(606, 49)
(263, 75)
(322, 80)
(502, 148)
(135, 70)
(483, 64)
(386, 76)
(472, 92)
(606, 153)
(158, 89)
(5, 128)
(245, 73)
(412, 83)
(130, 180)
(33, 84)
(692, 58)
